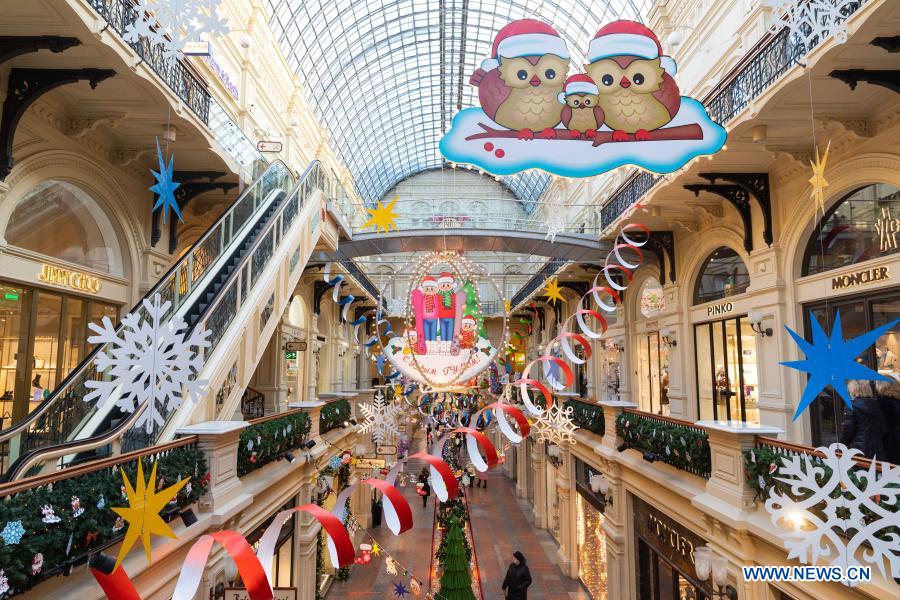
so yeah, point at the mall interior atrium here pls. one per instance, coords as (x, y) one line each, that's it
(450, 299)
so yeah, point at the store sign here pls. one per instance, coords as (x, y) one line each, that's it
(369, 463)
(887, 227)
(196, 49)
(667, 537)
(295, 346)
(73, 279)
(386, 450)
(860, 277)
(280, 593)
(720, 309)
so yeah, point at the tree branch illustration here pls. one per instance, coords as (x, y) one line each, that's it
(679, 132)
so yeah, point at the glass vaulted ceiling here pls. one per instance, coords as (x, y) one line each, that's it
(385, 77)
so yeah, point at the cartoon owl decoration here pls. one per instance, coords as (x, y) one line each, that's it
(636, 91)
(582, 112)
(519, 83)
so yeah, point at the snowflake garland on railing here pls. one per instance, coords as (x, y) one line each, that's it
(811, 21)
(381, 419)
(153, 362)
(174, 23)
(856, 517)
(555, 426)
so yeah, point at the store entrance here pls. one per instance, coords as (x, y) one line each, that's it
(859, 314)
(654, 374)
(658, 579)
(727, 384)
(43, 336)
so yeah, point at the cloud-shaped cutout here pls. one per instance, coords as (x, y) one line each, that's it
(474, 138)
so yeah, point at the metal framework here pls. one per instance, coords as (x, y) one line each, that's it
(385, 77)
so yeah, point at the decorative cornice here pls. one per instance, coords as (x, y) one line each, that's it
(77, 126)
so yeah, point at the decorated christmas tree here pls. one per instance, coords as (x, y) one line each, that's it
(456, 581)
(472, 308)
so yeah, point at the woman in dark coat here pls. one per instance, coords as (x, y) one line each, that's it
(426, 488)
(889, 394)
(518, 578)
(864, 426)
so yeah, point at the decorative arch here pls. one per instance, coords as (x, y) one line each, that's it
(713, 238)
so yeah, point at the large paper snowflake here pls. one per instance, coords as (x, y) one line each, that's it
(811, 21)
(174, 23)
(555, 425)
(556, 224)
(380, 419)
(843, 518)
(153, 362)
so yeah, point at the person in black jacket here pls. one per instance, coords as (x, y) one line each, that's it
(426, 488)
(889, 394)
(864, 426)
(518, 578)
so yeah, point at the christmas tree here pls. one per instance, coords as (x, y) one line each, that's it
(472, 308)
(456, 581)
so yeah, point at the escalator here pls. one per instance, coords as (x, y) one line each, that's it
(261, 241)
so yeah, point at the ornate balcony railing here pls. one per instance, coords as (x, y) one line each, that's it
(549, 268)
(772, 57)
(266, 439)
(122, 13)
(681, 444)
(334, 414)
(587, 415)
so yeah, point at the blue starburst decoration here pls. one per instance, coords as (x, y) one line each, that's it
(12, 533)
(400, 590)
(334, 462)
(832, 361)
(165, 187)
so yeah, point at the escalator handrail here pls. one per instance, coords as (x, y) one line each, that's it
(45, 405)
(36, 455)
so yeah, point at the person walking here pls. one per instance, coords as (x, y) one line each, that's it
(482, 479)
(424, 487)
(864, 425)
(518, 578)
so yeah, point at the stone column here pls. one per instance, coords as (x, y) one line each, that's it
(618, 541)
(611, 410)
(568, 550)
(219, 442)
(727, 442)
(313, 409)
(521, 465)
(539, 464)
(306, 539)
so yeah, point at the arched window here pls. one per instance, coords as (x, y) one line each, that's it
(653, 302)
(863, 225)
(723, 274)
(61, 221)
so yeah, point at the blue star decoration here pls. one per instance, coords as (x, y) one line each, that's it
(400, 590)
(165, 187)
(12, 533)
(832, 360)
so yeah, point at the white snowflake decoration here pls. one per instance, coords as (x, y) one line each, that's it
(380, 419)
(810, 20)
(555, 425)
(174, 23)
(843, 534)
(151, 363)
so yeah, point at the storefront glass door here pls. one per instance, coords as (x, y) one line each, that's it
(727, 384)
(858, 315)
(653, 374)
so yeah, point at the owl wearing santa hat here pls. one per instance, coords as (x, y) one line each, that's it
(519, 83)
(634, 79)
(582, 112)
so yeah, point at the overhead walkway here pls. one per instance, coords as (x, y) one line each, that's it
(234, 282)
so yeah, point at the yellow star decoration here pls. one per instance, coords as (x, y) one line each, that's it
(818, 179)
(382, 216)
(552, 291)
(142, 514)
(376, 549)
(507, 305)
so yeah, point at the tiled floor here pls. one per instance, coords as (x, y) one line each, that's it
(501, 524)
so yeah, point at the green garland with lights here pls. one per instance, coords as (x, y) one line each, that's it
(333, 415)
(682, 447)
(270, 439)
(587, 416)
(69, 542)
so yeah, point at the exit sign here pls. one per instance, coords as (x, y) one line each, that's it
(11, 295)
(290, 355)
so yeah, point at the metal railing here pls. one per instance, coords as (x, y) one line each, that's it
(61, 416)
(549, 268)
(771, 58)
(120, 14)
(486, 222)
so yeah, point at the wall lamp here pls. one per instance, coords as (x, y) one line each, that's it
(600, 487)
(667, 335)
(288, 457)
(554, 455)
(707, 563)
(755, 318)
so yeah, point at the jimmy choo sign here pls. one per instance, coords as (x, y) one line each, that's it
(73, 279)
(860, 277)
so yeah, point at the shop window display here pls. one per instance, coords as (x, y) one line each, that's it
(591, 541)
(653, 380)
(61, 221)
(862, 226)
(723, 274)
(727, 378)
